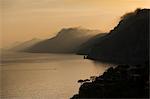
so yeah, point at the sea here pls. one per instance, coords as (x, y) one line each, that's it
(44, 76)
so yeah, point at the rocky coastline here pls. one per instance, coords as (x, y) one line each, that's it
(123, 81)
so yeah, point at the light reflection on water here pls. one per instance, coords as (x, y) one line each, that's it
(45, 76)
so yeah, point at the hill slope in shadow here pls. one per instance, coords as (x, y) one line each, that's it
(86, 47)
(128, 42)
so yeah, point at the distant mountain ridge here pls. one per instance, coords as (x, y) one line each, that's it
(20, 46)
(68, 40)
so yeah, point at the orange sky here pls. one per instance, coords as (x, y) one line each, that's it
(26, 19)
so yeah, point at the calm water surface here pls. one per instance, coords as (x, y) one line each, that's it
(44, 76)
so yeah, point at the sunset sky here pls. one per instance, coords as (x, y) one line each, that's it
(26, 19)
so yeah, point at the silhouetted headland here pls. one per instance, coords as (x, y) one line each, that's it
(128, 42)
(127, 45)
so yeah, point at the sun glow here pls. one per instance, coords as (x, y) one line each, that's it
(43, 18)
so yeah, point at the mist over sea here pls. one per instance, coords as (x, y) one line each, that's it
(44, 76)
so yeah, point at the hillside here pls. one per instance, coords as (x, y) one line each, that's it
(128, 42)
(86, 47)
(66, 41)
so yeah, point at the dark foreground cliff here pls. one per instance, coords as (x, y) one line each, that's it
(128, 42)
